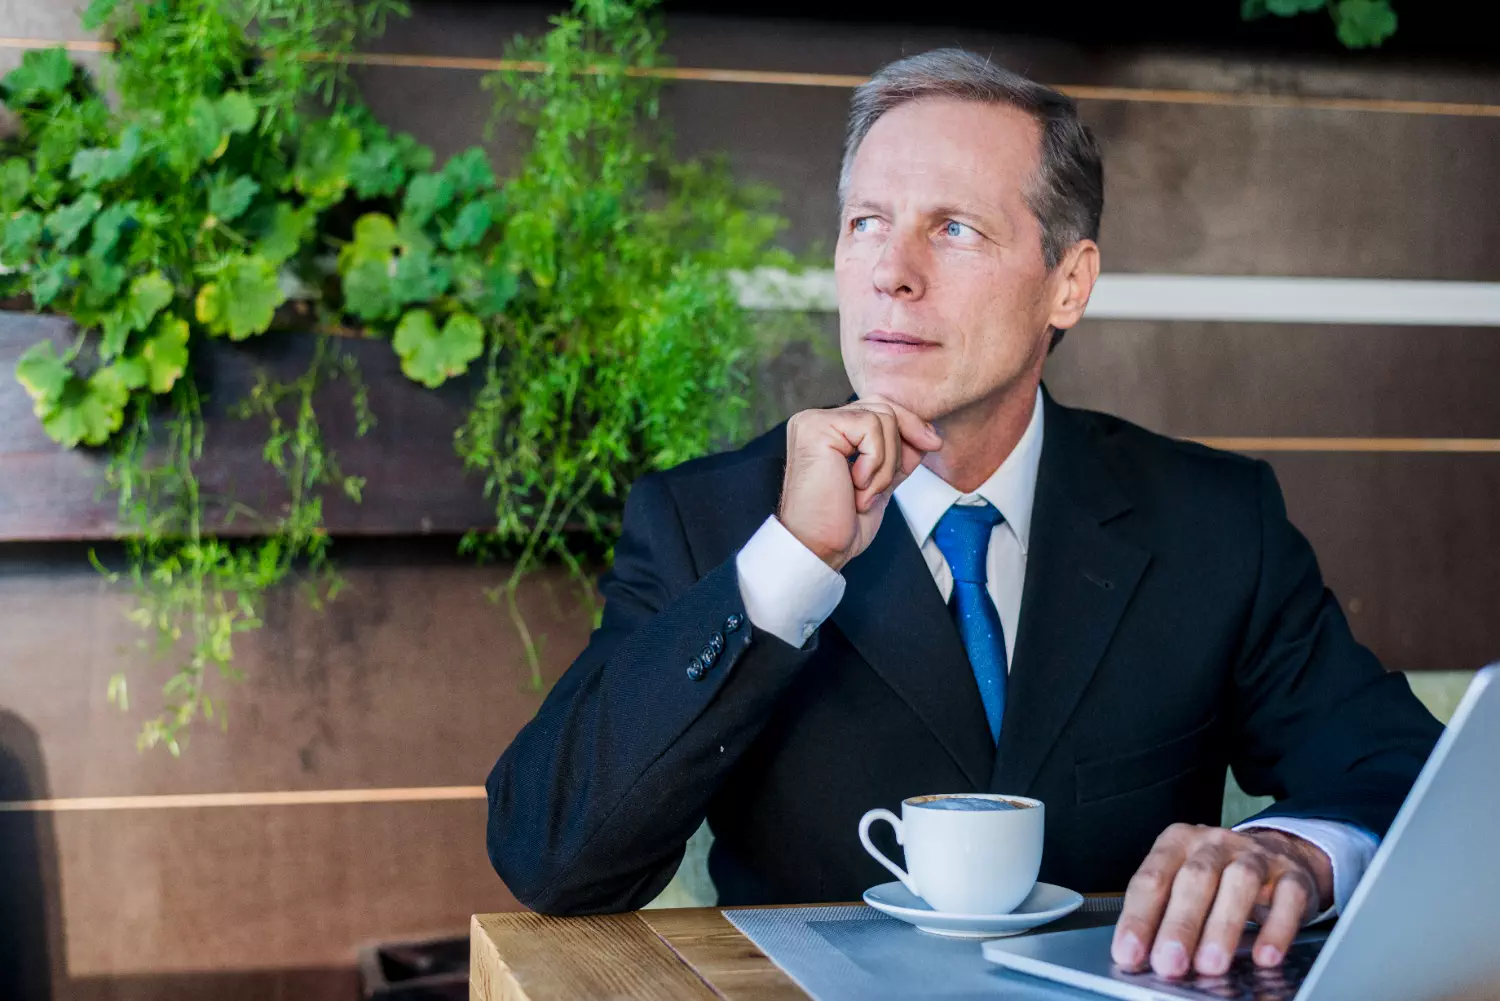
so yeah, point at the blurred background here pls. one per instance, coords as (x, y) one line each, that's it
(1232, 148)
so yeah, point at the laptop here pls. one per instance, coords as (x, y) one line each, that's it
(1423, 924)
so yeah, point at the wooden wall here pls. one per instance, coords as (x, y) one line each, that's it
(413, 682)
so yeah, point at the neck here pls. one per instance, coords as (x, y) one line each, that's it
(977, 439)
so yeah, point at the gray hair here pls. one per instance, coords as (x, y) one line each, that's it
(1067, 192)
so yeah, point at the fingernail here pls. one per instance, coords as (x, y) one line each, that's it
(1268, 955)
(1129, 951)
(1170, 959)
(1211, 959)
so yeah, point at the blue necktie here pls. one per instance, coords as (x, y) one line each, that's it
(963, 536)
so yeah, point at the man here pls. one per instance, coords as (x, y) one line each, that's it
(1059, 604)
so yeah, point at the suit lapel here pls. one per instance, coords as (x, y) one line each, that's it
(1080, 576)
(894, 615)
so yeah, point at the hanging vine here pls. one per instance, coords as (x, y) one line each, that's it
(237, 168)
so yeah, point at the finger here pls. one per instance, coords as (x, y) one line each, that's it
(1146, 899)
(1289, 908)
(1239, 888)
(1193, 893)
(884, 477)
(919, 433)
(862, 439)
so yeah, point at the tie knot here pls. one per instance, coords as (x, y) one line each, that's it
(963, 537)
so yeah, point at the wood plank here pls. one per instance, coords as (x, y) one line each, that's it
(721, 955)
(415, 483)
(533, 957)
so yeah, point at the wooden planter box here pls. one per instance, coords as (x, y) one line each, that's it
(415, 483)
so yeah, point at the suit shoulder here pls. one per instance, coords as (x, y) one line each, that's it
(1144, 458)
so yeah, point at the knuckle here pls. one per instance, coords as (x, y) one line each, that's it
(1201, 868)
(1147, 880)
(1246, 870)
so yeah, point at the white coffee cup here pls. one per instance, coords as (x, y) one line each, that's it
(964, 857)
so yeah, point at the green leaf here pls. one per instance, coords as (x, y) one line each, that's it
(1364, 23)
(425, 196)
(42, 373)
(470, 172)
(165, 353)
(94, 17)
(284, 232)
(18, 237)
(432, 356)
(469, 228)
(101, 282)
(1290, 8)
(203, 134)
(109, 226)
(241, 300)
(88, 411)
(47, 280)
(487, 290)
(149, 294)
(15, 183)
(228, 199)
(420, 277)
(43, 73)
(93, 167)
(324, 159)
(236, 112)
(67, 221)
(367, 264)
(377, 171)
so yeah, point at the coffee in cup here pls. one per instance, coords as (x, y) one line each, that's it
(966, 853)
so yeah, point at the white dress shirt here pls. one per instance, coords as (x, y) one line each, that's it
(789, 592)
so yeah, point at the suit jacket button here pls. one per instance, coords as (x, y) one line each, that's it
(707, 656)
(695, 669)
(733, 623)
(716, 643)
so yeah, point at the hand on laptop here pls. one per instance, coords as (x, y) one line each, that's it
(1187, 904)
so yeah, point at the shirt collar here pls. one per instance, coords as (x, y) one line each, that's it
(924, 497)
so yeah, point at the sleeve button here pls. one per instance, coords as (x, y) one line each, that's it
(733, 623)
(695, 669)
(716, 643)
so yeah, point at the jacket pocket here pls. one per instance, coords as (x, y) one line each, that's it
(1132, 771)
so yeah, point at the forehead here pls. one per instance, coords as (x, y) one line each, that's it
(946, 148)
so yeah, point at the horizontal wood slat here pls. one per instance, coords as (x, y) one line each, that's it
(415, 482)
(204, 800)
(845, 81)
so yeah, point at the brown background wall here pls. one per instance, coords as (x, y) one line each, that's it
(412, 680)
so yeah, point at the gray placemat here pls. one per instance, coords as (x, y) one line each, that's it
(859, 954)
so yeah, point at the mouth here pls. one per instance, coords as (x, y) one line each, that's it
(896, 342)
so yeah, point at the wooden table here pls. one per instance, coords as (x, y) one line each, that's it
(687, 954)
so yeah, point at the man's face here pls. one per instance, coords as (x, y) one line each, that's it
(944, 300)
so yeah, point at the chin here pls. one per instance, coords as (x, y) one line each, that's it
(921, 396)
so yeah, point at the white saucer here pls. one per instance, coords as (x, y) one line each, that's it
(1045, 903)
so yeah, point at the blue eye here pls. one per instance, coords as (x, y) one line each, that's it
(861, 224)
(955, 228)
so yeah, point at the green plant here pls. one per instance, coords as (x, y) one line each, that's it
(1358, 23)
(591, 289)
(174, 219)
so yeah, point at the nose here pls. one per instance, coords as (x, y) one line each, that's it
(898, 271)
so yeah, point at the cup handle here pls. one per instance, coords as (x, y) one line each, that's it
(864, 838)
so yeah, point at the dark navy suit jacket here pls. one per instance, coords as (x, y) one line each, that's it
(1173, 623)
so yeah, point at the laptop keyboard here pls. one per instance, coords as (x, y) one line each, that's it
(1244, 981)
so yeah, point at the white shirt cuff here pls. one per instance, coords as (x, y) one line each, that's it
(1348, 848)
(788, 592)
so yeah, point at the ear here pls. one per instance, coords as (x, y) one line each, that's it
(1073, 282)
